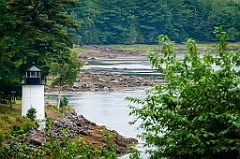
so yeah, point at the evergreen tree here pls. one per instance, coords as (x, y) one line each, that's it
(154, 18)
(9, 77)
(85, 12)
(40, 31)
(134, 21)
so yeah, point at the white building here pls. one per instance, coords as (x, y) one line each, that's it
(33, 94)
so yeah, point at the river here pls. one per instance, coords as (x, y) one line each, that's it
(106, 108)
(110, 108)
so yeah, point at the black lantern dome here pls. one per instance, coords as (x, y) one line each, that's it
(33, 75)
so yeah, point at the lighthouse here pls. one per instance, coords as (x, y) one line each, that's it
(33, 94)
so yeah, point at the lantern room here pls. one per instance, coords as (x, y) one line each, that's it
(33, 75)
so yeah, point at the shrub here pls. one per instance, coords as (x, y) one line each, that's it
(6, 118)
(19, 119)
(196, 113)
(31, 114)
(1, 136)
(64, 102)
(15, 128)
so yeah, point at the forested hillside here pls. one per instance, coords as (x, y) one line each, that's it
(141, 21)
(43, 31)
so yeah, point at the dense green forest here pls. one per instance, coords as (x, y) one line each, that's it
(44, 31)
(35, 31)
(134, 21)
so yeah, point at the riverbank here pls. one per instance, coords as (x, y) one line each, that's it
(78, 126)
(74, 125)
(109, 80)
(90, 80)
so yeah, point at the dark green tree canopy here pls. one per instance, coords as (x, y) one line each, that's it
(135, 21)
(33, 31)
(40, 33)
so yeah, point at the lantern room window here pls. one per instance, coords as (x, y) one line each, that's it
(33, 75)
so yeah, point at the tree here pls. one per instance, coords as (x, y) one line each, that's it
(154, 18)
(215, 13)
(113, 20)
(40, 31)
(86, 12)
(134, 21)
(196, 114)
(65, 69)
(9, 77)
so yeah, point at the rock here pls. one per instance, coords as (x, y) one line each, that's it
(75, 86)
(105, 89)
(67, 123)
(78, 125)
(91, 58)
(35, 137)
(58, 123)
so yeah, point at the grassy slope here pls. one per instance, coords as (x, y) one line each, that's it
(11, 119)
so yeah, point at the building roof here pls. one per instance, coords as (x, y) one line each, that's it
(33, 68)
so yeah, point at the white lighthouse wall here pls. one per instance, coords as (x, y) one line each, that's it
(33, 96)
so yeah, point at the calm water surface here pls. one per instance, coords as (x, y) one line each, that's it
(105, 108)
(110, 108)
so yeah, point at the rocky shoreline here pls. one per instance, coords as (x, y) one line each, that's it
(77, 125)
(89, 80)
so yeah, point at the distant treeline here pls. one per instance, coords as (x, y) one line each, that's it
(44, 31)
(141, 21)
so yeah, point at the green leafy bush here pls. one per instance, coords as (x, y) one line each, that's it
(14, 125)
(64, 102)
(15, 128)
(2, 135)
(6, 118)
(196, 113)
(61, 148)
(31, 114)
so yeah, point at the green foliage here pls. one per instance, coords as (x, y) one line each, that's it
(196, 113)
(40, 33)
(1, 136)
(14, 125)
(31, 114)
(132, 21)
(65, 69)
(135, 155)
(8, 71)
(64, 102)
(109, 151)
(61, 148)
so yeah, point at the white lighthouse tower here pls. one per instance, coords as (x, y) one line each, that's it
(33, 94)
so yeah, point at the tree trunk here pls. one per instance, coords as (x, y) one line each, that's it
(59, 97)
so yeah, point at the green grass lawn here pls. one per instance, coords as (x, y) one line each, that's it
(14, 111)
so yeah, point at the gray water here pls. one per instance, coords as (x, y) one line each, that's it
(127, 67)
(110, 108)
(106, 108)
